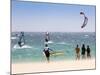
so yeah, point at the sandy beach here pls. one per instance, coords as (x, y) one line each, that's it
(32, 67)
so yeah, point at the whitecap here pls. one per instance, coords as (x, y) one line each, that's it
(61, 43)
(86, 35)
(50, 42)
(13, 38)
(23, 47)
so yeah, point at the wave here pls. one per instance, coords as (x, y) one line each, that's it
(50, 42)
(86, 35)
(61, 43)
(13, 38)
(23, 47)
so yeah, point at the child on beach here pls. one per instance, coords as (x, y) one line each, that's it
(77, 52)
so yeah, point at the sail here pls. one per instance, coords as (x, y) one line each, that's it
(21, 40)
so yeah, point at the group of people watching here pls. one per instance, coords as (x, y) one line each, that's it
(84, 52)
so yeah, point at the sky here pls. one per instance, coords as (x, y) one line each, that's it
(51, 17)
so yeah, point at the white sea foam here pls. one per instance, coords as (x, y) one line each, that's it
(61, 43)
(23, 47)
(86, 35)
(13, 38)
(50, 42)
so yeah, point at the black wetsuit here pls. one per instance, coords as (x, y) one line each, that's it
(83, 51)
(47, 53)
(88, 52)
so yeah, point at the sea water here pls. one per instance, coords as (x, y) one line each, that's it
(64, 42)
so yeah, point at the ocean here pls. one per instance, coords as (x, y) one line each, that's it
(64, 42)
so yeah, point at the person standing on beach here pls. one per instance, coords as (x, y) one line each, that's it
(88, 52)
(46, 52)
(77, 52)
(83, 51)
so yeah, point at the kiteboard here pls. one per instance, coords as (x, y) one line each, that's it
(56, 53)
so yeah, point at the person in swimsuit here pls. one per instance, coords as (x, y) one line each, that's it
(77, 49)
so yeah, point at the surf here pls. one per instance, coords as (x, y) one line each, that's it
(23, 47)
(61, 43)
(13, 38)
(50, 42)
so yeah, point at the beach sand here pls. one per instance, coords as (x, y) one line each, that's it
(32, 67)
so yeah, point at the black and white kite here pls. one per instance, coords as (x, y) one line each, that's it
(85, 20)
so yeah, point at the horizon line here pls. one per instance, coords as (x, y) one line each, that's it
(51, 31)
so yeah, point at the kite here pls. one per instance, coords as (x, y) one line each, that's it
(85, 20)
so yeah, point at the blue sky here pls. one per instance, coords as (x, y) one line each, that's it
(42, 17)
